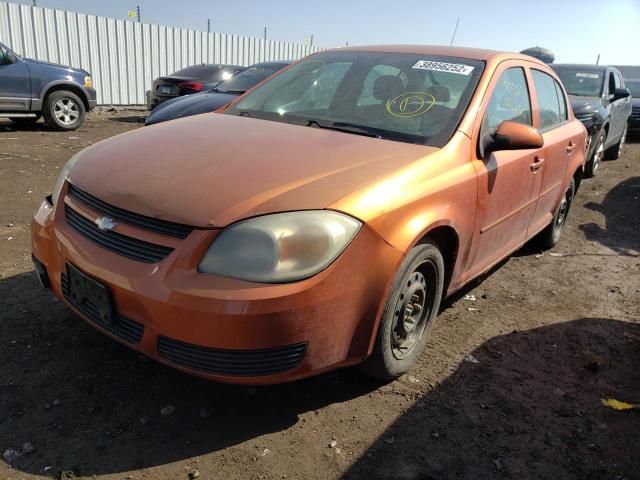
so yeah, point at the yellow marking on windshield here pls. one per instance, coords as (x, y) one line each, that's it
(410, 104)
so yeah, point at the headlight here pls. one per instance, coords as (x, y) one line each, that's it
(88, 82)
(57, 187)
(279, 248)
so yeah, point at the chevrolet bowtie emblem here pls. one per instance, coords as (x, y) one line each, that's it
(105, 223)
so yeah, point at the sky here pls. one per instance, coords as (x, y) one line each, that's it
(575, 30)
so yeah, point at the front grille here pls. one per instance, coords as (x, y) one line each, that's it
(148, 223)
(121, 327)
(132, 248)
(248, 363)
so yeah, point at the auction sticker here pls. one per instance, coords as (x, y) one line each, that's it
(443, 67)
(587, 75)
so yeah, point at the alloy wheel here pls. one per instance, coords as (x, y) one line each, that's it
(66, 111)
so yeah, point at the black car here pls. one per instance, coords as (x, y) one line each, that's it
(193, 79)
(634, 120)
(602, 103)
(216, 97)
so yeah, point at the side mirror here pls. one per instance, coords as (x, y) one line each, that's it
(9, 58)
(621, 93)
(511, 136)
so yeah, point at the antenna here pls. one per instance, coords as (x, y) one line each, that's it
(208, 25)
(454, 32)
(598, 60)
(265, 33)
(138, 11)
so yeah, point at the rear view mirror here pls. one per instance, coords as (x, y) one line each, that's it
(511, 136)
(619, 93)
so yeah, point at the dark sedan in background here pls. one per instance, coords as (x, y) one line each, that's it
(634, 120)
(193, 79)
(602, 103)
(216, 97)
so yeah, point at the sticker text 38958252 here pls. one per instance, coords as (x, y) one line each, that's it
(443, 67)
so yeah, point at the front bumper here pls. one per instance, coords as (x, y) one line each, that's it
(92, 96)
(208, 325)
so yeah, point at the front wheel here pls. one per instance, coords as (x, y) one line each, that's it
(550, 236)
(593, 163)
(409, 313)
(615, 151)
(63, 110)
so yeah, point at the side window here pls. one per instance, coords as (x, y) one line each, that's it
(3, 56)
(368, 95)
(618, 80)
(509, 101)
(548, 104)
(562, 100)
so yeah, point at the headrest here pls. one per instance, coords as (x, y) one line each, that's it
(440, 92)
(387, 87)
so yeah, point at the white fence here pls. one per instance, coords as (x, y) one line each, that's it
(123, 56)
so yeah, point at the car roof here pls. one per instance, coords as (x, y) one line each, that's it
(585, 66)
(439, 50)
(273, 62)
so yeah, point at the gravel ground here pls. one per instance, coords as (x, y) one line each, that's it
(510, 385)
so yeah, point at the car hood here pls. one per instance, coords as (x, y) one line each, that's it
(188, 105)
(58, 65)
(584, 104)
(211, 170)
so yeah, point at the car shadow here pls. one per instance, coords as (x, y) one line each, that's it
(529, 406)
(39, 126)
(90, 405)
(129, 119)
(621, 233)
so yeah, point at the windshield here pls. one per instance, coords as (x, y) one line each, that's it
(397, 96)
(634, 86)
(582, 82)
(248, 78)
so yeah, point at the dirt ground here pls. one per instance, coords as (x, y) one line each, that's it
(510, 385)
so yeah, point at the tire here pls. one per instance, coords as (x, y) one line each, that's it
(615, 151)
(25, 120)
(592, 165)
(405, 328)
(63, 110)
(550, 236)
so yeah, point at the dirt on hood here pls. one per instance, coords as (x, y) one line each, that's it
(213, 169)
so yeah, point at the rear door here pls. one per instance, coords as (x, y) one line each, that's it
(508, 181)
(559, 145)
(15, 84)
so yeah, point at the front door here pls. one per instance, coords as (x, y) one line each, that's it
(508, 181)
(15, 83)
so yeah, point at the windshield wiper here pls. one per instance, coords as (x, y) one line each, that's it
(244, 113)
(239, 92)
(346, 128)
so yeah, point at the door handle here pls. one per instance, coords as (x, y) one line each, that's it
(570, 147)
(537, 164)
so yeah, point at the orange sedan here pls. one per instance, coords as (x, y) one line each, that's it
(320, 219)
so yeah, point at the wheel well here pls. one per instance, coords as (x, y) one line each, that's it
(447, 240)
(70, 88)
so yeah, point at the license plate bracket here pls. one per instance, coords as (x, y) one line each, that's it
(165, 90)
(90, 295)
